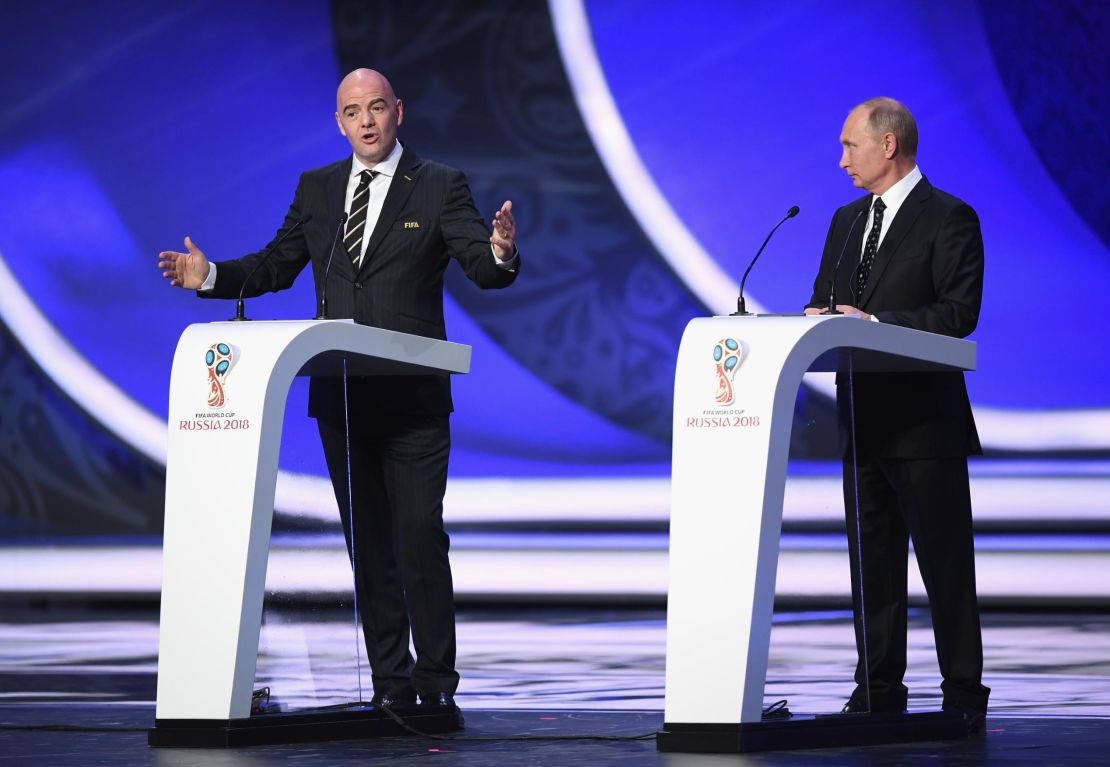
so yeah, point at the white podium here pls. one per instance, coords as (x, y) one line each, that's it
(736, 383)
(228, 390)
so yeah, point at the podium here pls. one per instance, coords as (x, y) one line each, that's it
(736, 383)
(228, 389)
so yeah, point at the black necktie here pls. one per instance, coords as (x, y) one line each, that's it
(870, 248)
(356, 219)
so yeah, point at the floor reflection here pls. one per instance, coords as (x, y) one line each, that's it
(562, 660)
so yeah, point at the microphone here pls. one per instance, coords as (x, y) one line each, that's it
(836, 267)
(239, 315)
(740, 310)
(323, 313)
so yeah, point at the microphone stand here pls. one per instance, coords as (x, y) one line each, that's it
(741, 311)
(831, 309)
(240, 314)
(323, 313)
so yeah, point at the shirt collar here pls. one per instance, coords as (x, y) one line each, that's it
(387, 167)
(897, 194)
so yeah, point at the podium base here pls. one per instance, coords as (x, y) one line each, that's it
(831, 731)
(298, 727)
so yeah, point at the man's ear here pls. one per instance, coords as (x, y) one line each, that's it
(890, 145)
(339, 122)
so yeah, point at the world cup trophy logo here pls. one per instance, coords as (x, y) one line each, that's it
(219, 359)
(727, 354)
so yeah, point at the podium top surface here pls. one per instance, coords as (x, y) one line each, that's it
(844, 342)
(323, 345)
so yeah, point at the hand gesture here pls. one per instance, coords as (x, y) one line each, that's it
(503, 238)
(852, 311)
(187, 270)
(844, 309)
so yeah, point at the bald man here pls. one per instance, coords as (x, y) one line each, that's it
(406, 219)
(912, 256)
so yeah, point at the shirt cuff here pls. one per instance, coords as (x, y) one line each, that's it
(210, 280)
(509, 265)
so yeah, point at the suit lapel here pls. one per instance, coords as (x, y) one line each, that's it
(408, 172)
(853, 248)
(899, 228)
(335, 195)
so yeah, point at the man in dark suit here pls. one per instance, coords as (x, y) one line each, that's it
(407, 218)
(913, 257)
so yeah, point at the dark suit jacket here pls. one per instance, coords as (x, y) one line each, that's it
(927, 275)
(428, 218)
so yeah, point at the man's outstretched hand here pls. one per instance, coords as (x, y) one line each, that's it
(187, 270)
(503, 238)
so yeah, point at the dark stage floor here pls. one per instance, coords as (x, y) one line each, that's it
(538, 674)
(532, 738)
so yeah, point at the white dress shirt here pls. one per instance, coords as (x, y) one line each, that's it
(379, 188)
(892, 198)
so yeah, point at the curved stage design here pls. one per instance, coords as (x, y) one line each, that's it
(692, 134)
(622, 168)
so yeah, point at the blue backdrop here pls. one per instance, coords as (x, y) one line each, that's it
(130, 125)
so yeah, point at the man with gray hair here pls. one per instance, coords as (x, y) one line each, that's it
(912, 256)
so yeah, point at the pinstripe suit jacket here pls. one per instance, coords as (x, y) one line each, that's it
(428, 218)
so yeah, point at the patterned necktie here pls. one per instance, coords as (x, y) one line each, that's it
(356, 220)
(870, 248)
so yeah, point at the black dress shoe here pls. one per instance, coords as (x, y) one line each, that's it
(392, 701)
(854, 706)
(975, 719)
(439, 700)
(858, 705)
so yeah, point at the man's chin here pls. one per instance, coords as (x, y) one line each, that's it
(371, 159)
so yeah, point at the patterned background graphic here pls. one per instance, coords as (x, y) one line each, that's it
(129, 126)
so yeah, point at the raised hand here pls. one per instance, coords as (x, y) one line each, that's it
(503, 238)
(187, 270)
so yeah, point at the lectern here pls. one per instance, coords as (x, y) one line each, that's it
(735, 386)
(228, 389)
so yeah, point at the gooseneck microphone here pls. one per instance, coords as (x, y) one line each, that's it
(323, 313)
(831, 309)
(740, 310)
(239, 315)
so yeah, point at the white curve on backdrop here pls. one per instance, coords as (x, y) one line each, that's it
(304, 495)
(79, 379)
(1000, 428)
(112, 407)
(473, 499)
(121, 415)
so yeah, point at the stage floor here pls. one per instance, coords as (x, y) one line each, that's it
(581, 671)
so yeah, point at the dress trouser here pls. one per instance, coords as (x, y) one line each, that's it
(398, 476)
(928, 501)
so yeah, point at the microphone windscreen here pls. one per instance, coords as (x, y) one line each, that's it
(793, 212)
